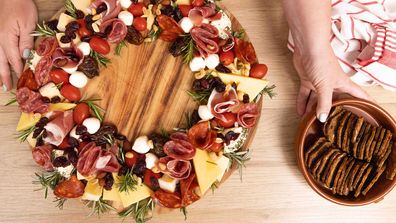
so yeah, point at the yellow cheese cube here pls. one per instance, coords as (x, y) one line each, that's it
(93, 191)
(61, 106)
(248, 85)
(114, 193)
(133, 196)
(64, 19)
(32, 142)
(27, 120)
(82, 5)
(223, 164)
(206, 169)
(183, 2)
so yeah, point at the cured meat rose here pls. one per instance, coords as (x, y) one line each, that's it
(179, 147)
(220, 103)
(27, 80)
(67, 57)
(118, 31)
(178, 169)
(47, 46)
(42, 71)
(201, 136)
(59, 127)
(168, 200)
(30, 101)
(42, 156)
(204, 36)
(93, 159)
(71, 188)
(113, 8)
(187, 188)
(247, 115)
(170, 29)
(198, 14)
(244, 51)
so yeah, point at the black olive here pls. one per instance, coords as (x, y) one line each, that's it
(72, 156)
(133, 36)
(223, 69)
(37, 132)
(221, 87)
(120, 137)
(73, 142)
(79, 14)
(101, 8)
(154, 183)
(55, 100)
(123, 171)
(80, 130)
(195, 117)
(44, 120)
(246, 98)
(65, 39)
(40, 142)
(60, 161)
(53, 24)
(109, 181)
(73, 26)
(89, 67)
(46, 100)
(176, 49)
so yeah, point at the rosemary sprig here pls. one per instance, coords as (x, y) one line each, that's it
(121, 155)
(102, 60)
(119, 47)
(184, 211)
(239, 158)
(60, 202)
(47, 181)
(165, 134)
(240, 34)
(43, 30)
(214, 186)
(200, 96)
(188, 49)
(210, 162)
(99, 207)
(139, 211)
(127, 182)
(70, 8)
(268, 90)
(154, 33)
(12, 100)
(96, 110)
(24, 134)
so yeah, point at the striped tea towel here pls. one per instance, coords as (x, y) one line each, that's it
(364, 40)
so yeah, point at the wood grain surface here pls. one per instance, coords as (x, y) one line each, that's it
(273, 189)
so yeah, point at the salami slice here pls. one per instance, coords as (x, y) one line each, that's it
(170, 29)
(168, 200)
(201, 136)
(188, 188)
(42, 156)
(244, 51)
(47, 46)
(247, 115)
(30, 101)
(42, 70)
(204, 37)
(118, 30)
(179, 147)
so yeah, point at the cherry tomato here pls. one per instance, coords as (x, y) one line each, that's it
(99, 45)
(70, 92)
(229, 120)
(65, 144)
(197, 3)
(151, 179)
(131, 158)
(227, 58)
(59, 76)
(140, 24)
(258, 71)
(185, 9)
(80, 113)
(136, 9)
(83, 30)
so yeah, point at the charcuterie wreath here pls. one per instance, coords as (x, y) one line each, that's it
(134, 158)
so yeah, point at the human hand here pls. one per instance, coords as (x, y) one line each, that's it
(18, 19)
(321, 76)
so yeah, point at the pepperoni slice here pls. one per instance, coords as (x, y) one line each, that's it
(201, 136)
(27, 80)
(247, 115)
(170, 29)
(244, 51)
(42, 156)
(179, 147)
(47, 46)
(71, 188)
(168, 200)
(42, 71)
(187, 188)
(204, 36)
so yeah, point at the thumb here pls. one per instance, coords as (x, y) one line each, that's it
(325, 96)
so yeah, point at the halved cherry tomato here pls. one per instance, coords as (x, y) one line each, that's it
(136, 9)
(59, 76)
(99, 45)
(83, 30)
(227, 58)
(229, 120)
(185, 9)
(258, 71)
(197, 3)
(140, 24)
(131, 158)
(151, 179)
(70, 92)
(65, 144)
(80, 113)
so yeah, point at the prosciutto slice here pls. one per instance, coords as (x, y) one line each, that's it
(220, 103)
(201, 136)
(178, 169)
(113, 8)
(47, 46)
(179, 147)
(198, 14)
(30, 101)
(93, 159)
(58, 128)
(42, 156)
(247, 115)
(118, 31)
(67, 57)
(204, 37)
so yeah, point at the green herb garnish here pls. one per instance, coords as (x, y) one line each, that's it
(70, 8)
(102, 60)
(99, 207)
(239, 34)
(60, 202)
(47, 181)
(12, 100)
(239, 158)
(139, 211)
(119, 47)
(127, 182)
(24, 134)
(43, 30)
(200, 96)
(188, 49)
(268, 90)
(96, 110)
(184, 211)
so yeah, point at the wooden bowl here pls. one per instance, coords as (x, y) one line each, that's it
(310, 129)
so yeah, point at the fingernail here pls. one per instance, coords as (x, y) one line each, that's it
(4, 88)
(323, 117)
(26, 53)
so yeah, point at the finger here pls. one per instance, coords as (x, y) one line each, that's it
(325, 97)
(13, 55)
(302, 99)
(26, 41)
(312, 101)
(356, 91)
(4, 72)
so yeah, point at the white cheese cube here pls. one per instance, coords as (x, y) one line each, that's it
(168, 183)
(50, 90)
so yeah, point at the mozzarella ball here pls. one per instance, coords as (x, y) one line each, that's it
(126, 17)
(70, 70)
(125, 3)
(92, 124)
(204, 113)
(186, 24)
(85, 48)
(197, 64)
(78, 79)
(212, 61)
(142, 145)
(151, 160)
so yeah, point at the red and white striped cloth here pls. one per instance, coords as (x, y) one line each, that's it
(364, 40)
